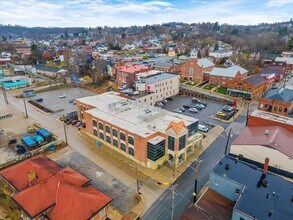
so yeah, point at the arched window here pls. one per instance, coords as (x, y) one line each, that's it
(107, 129)
(114, 132)
(130, 140)
(115, 143)
(101, 126)
(101, 135)
(108, 139)
(191, 71)
(122, 147)
(131, 151)
(122, 136)
(95, 132)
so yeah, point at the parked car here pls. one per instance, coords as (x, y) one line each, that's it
(230, 103)
(195, 100)
(165, 101)
(203, 128)
(182, 109)
(78, 124)
(221, 114)
(71, 100)
(39, 100)
(62, 96)
(74, 122)
(198, 106)
(159, 103)
(30, 129)
(177, 110)
(186, 106)
(194, 110)
(228, 108)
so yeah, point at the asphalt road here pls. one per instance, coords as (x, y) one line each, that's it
(161, 209)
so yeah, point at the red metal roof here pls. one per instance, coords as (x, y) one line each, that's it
(34, 200)
(61, 192)
(44, 167)
(92, 199)
(133, 69)
(277, 138)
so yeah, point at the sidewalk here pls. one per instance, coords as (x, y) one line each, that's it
(163, 176)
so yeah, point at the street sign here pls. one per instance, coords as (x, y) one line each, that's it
(29, 93)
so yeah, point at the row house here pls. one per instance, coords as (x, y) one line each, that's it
(222, 76)
(278, 101)
(197, 70)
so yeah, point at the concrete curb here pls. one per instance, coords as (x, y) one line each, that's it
(37, 108)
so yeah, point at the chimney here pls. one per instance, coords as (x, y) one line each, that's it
(266, 165)
(31, 176)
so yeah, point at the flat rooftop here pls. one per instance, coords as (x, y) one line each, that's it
(257, 201)
(136, 117)
(272, 117)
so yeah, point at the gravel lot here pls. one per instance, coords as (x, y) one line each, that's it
(61, 105)
(202, 115)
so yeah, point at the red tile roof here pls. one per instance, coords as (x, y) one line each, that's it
(278, 138)
(61, 192)
(133, 69)
(44, 167)
(92, 199)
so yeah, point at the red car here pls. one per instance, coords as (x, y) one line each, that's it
(74, 122)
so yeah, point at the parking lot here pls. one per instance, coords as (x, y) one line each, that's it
(61, 106)
(203, 115)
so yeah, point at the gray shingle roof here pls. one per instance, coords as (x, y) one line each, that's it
(282, 94)
(204, 62)
(255, 80)
(159, 77)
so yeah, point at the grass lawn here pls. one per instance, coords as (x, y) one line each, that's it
(191, 83)
(208, 87)
(183, 80)
(62, 64)
(221, 90)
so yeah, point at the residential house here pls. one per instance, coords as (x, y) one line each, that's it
(249, 87)
(47, 55)
(145, 134)
(276, 67)
(125, 75)
(197, 70)
(128, 47)
(46, 190)
(167, 64)
(255, 143)
(272, 75)
(22, 49)
(278, 101)
(49, 71)
(223, 76)
(288, 61)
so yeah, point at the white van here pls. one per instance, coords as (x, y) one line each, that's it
(203, 128)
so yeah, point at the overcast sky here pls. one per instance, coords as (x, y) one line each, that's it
(92, 13)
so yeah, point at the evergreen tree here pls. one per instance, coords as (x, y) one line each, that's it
(199, 54)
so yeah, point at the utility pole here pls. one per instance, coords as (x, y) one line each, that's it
(138, 182)
(195, 181)
(174, 166)
(26, 116)
(172, 188)
(227, 144)
(65, 133)
(247, 113)
(5, 95)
